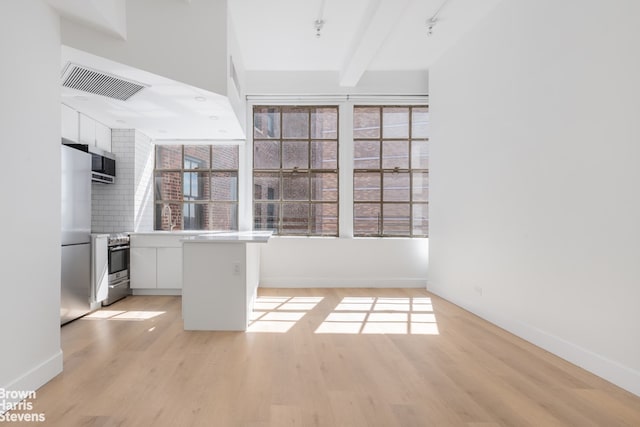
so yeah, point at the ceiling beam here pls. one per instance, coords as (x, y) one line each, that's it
(378, 21)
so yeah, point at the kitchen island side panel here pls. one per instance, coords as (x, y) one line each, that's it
(214, 294)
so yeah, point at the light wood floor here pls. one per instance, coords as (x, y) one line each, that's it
(436, 365)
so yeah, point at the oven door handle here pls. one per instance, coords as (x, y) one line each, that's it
(119, 284)
(118, 248)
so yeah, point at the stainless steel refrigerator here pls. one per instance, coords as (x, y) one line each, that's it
(75, 295)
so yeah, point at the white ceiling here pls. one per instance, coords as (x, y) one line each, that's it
(166, 109)
(277, 35)
(361, 34)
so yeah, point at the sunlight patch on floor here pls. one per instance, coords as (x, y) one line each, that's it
(279, 314)
(123, 315)
(372, 315)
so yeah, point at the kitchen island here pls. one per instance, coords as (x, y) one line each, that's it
(220, 277)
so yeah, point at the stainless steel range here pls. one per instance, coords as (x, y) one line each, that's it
(118, 248)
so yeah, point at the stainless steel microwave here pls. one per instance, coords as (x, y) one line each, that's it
(103, 163)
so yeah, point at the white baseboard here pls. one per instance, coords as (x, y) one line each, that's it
(161, 292)
(34, 378)
(610, 370)
(310, 282)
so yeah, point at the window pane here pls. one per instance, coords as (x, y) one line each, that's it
(324, 219)
(197, 156)
(266, 122)
(366, 186)
(366, 154)
(395, 122)
(225, 157)
(295, 154)
(196, 185)
(295, 122)
(324, 154)
(324, 186)
(266, 154)
(396, 187)
(295, 186)
(366, 219)
(266, 186)
(420, 187)
(395, 154)
(295, 218)
(168, 186)
(421, 219)
(324, 123)
(396, 219)
(366, 122)
(168, 156)
(195, 216)
(420, 154)
(420, 122)
(168, 216)
(265, 216)
(224, 216)
(224, 186)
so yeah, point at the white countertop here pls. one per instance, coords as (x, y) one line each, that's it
(172, 233)
(231, 237)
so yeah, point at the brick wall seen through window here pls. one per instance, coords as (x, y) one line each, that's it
(391, 171)
(196, 187)
(295, 170)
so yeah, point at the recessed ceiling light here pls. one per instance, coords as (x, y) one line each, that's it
(120, 121)
(222, 131)
(162, 131)
(214, 117)
(200, 98)
(81, 98)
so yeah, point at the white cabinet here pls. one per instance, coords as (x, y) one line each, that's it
(94, 133)
(169, 268)
(156, 262)
(143, 268)
(87, 130)
(103, 137)
(70, 123)
(99, 267)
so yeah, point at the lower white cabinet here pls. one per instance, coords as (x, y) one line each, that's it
(143, 268)
(169, 268)
(156, 262)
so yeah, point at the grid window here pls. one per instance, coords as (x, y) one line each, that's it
(391, 171)
(196, 187)
(295, 170)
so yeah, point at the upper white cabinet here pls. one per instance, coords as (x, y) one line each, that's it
(70, 123)
(103, 137)
(87, 130)
(94, 133)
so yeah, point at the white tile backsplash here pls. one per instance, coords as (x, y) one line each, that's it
(126, 205)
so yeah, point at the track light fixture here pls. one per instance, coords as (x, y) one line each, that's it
(431, 22)
(318, 24)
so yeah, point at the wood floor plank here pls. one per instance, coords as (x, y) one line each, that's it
(338, 360)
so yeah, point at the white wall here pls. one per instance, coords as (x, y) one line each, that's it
(143, 183)
(30, 153)
(236, 88)
(535, 178)
(182, 40)
(327, 83)
(300, 262)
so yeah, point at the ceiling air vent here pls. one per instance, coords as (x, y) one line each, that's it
(99, 83)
